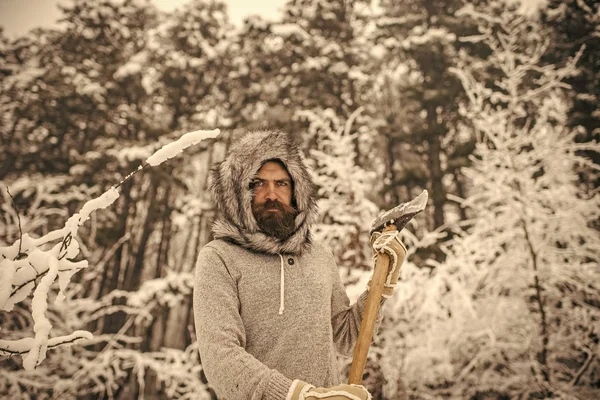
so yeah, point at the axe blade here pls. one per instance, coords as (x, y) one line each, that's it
(401, 214)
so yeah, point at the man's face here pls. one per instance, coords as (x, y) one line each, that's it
(272, 200)
(272, 182)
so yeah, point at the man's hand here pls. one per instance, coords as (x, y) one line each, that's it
(303, 391)
(388, 242)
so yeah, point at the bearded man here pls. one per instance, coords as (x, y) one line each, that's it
(269, 306)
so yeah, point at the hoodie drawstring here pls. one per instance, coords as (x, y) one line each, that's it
(281, 288)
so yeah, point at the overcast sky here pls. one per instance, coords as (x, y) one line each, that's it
(19, 16)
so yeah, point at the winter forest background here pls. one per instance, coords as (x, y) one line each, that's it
(496, 113)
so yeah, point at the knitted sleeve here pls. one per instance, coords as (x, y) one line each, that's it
(230, 370)
(346, 318)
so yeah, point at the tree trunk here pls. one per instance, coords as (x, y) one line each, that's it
(165, 238)
(461, 193)
(390, 171)
(542, 355)
(133, 274)
(110, 277)
(186, 247)
(438, 195)
(176, 329)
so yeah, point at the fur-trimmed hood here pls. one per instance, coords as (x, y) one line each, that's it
(230, 188)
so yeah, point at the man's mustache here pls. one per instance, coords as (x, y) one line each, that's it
(274, 204)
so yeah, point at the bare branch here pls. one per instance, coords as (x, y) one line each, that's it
(128, 177)
(591, 356)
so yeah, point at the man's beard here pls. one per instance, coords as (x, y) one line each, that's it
(280, 224)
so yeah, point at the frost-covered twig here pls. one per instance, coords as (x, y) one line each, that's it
(350, 120)
(19, 274)
(591, 355)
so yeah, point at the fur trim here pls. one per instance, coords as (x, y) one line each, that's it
(230, 188)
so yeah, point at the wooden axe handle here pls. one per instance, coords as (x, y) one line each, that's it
(369, 319)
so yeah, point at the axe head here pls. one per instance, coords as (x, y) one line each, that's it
(401, 214)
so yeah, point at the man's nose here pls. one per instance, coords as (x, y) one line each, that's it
(271, 195)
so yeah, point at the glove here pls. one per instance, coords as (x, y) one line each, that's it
(303, 391)
(388, 242)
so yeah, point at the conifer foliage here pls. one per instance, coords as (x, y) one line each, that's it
(493, 316)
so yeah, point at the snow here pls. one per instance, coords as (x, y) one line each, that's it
(7, 273)
(91, 89)
(378, 51)
(126, 155)
(173, 149)
(273, 44)
(208, 50)
(357, 75)
(388, 21)
(339, 68)
(132, 67)
(25, 344)
(149, 80)
(316, 63)
(431, 35)
(104, 201)
(18, 296)
(42, 325)
(23, 78)
(64, 278)
(166, 291)
(390, 42)
(77, 169)
(289, 30)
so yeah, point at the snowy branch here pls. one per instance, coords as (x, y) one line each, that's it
(24, 262)
(23, 346)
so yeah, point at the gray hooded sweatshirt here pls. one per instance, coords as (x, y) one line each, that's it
(268, 311)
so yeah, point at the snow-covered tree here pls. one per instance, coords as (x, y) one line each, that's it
(346, 212)
(513, 310)
(190, 54)
(414, 45)
(571, 24)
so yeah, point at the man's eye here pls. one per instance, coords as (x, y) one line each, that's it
(282, 183)
(255, 184)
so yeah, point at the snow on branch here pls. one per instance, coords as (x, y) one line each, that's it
(23, 346)
(173, 149)
(24, 262)
(469, 10)
(289, 30)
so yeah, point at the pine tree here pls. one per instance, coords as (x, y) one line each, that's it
(574, 25)
(346, 212)
(513, 309)
(416, 42)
